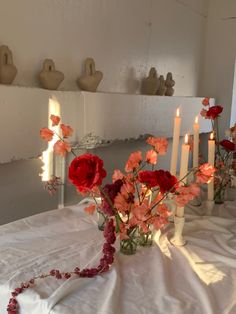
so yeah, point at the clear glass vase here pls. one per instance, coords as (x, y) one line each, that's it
(145, 239)
(128, 246)
(102, 218)
(220, 195)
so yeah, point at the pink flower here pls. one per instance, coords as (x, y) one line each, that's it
(90, 209)
(160, 144)
(133, 161)
(61, 147)
(141, 212)
(66, 130)
(151, 157)
(46, 134)
(158, 222)
(184, 194)
(55, 119)
(206, 101)
(205, 173)
(163, 210)
(117, 175)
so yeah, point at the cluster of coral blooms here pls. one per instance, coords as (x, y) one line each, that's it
(135, 197)
(133, 201)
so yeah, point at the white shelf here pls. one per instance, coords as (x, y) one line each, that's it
(110, 116)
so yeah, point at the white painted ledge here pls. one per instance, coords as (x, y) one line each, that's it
(110, 116)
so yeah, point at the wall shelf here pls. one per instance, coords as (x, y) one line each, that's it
(109, 116)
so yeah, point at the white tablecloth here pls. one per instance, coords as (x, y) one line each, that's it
(199, 278)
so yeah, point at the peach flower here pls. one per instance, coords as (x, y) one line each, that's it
(151, 157)
(55, 119)
(117, 175)
(160, 144)
(205, 173)
(66, 130)
(61, 148)
(46, 134)
(186, 194)
(90, 209)
(133, 161)
(206, 101)
(163, 210)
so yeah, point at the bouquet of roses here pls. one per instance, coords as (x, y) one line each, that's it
(224, 150)
(133, 204)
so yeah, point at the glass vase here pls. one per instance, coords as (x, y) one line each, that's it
(101, 220)
(219, 195)
(145, 239)
(128, 246)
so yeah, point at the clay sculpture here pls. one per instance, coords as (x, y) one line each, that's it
(7, 68)
(90, 80)
(49, 77)
(151, 83)
(162, 88)
(170, 83)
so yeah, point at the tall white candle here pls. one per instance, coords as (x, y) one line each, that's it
(211, 160)
(183, 170)
(175, 145)
(196, 143)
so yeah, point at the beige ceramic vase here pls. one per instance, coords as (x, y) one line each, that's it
(170, 83)
(7, 69)
(162, 87)
(90, 80)
(49, 77)
(151, 83)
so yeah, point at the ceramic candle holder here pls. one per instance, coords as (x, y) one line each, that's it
(178, 239)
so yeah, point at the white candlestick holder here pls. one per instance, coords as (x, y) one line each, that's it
(209, 207)
(178, 239)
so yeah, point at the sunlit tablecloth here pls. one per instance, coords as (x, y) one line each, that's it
(199, 278)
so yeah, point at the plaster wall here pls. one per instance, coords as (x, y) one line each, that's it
(219, 61)
(125, 37)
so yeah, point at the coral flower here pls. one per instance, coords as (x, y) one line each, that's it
(66, 130)
(90, 209)
(184, 194)
(205, 173)
(55, 119)
(46, 134)
(117, 175)
(206, 101)
(151, 157)
(61, 148)
(160, 144)
(133, 161)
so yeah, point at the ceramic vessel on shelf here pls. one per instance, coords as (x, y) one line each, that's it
(49, 77)
(8, 70)
(170, 83)
(151, 83)
(90, 80)
(162, 86)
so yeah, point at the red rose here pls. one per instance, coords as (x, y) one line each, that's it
(228, 145)
(148, 177)
(86, 172)
(165, 180)
(213, 112)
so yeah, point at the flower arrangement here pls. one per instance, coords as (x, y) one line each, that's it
(224, 150)
(133, 204)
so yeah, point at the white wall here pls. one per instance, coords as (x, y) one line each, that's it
(220, 56)
(126, 38)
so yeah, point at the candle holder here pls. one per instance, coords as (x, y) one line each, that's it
(178, 239)
(209, 207)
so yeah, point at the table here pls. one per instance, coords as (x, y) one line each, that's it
(199, 278)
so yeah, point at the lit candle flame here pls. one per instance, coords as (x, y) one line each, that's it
(186, 139)
(177, 112)
(196, 119)
(212, 136)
